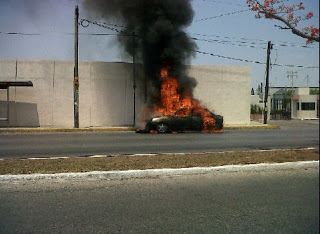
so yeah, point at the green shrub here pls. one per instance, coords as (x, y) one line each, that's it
(314, 91)
(255, 109)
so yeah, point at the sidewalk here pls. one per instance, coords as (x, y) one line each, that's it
(252, 125)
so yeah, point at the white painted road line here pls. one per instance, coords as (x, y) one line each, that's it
(156, 154)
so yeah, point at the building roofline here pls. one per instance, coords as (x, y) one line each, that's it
(295, 87)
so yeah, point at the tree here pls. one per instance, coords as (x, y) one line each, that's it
(287, 14)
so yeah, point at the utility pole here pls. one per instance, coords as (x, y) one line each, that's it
(291, 74)
(307, 78)
(134, 77)
(266, 93)
(76, 75)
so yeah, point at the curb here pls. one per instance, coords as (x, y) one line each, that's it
(111, 129)
(43, 130)
(130, 174)
(252, 127)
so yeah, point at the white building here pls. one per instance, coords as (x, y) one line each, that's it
(106, 93)
(304, 105)
(296, 103)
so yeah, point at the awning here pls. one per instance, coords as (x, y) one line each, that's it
(6, 84)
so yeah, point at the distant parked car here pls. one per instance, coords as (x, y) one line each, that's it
(181, 122)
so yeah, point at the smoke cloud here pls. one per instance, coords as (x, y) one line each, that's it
(161, 39)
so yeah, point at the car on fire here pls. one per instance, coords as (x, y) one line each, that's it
(179, 122)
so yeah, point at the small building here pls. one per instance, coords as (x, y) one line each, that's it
(294, 103)
(305, 105)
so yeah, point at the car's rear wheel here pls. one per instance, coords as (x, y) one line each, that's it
(162, 128)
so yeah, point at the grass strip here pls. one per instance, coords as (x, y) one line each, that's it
(111, 163)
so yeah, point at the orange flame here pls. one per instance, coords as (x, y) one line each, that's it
(171, 101)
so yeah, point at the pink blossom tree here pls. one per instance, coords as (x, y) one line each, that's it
(287, 14)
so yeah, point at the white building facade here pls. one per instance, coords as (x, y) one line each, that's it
(304, 105)
(106, 93)
(294, 103)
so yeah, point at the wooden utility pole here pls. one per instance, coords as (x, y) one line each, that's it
(266, 93)
(134, 77)
(76, 75)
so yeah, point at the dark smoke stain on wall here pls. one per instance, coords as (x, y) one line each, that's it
(161, 39)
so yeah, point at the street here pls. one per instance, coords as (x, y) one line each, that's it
(293, 134)
(284, 201)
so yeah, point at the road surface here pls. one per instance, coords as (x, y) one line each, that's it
(240, 202)
(292, 135)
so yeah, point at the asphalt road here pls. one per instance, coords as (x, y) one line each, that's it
(240, 202)
(293, 134)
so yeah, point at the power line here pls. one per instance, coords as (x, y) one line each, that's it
(226, 3)
(218, 16)
(226, 43)
(251, 61)
(85, 23)
(105, 23)
(23, 34)
(256, 41)
(227, 57)
(60, 33)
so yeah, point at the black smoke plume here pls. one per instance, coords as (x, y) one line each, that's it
(161, 39)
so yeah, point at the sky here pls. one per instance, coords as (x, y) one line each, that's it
(236, 36)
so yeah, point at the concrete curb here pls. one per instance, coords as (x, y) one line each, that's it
(111, 129)
(116, 175)
(252, 127)
(43, 130)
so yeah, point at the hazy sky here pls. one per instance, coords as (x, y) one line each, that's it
(238, 36)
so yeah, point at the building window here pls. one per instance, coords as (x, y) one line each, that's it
(308, 106)
(297, 105)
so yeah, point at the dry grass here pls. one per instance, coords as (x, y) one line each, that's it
(27, 166)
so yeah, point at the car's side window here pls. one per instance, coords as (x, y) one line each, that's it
(195, 113)
(183, 112)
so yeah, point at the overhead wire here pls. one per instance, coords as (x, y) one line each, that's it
(221, 15)
(252, 61)
(60, 33)
(226, 43)
(241, 40)
(226, 3)
(256, 41)
(121, 33)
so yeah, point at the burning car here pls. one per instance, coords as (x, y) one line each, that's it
(186, 119)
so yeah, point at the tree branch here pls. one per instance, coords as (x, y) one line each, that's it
(273, 13)
(290, 26)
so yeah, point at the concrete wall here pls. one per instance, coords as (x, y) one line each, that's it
(106, 93)
(225, 90)
(303, 91)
